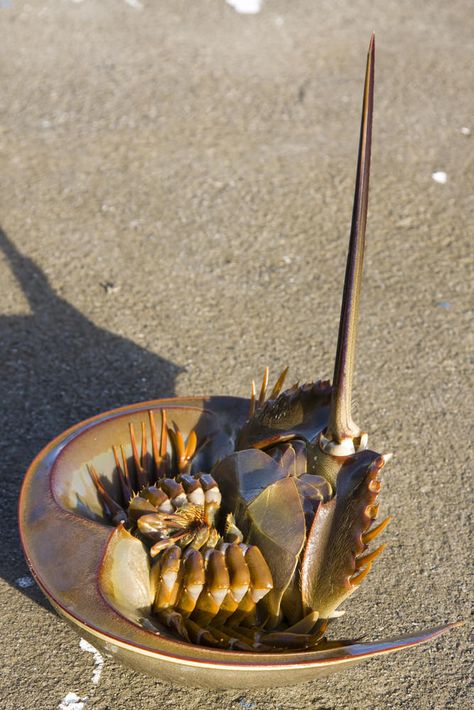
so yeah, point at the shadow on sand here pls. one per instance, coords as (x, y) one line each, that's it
(57, 368)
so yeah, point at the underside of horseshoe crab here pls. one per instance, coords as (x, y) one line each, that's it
(216, 535)
(256, 554)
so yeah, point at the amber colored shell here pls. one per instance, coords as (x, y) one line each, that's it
(65, 542)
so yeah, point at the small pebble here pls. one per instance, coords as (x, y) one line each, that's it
(24, 582)
(72, 701)
(466, 131)
(246, 7)
(440, 176)
(246, 704)
(109, 287)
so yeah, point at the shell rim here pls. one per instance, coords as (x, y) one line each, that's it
(257, 661)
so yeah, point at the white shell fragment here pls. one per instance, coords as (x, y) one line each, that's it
(440, 176)
(98, 660)
(72, 701)
(246, 7)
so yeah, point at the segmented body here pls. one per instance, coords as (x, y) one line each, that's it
(206, 585)
(219, 574)
(200, 593)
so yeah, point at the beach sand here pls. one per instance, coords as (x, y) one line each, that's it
(177, 184)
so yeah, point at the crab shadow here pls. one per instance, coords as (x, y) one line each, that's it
(57, 368)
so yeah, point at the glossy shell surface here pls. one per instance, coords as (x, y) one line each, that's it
(65, 542)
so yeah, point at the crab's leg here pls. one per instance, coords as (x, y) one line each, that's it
(145, 458)
(200, 635)
(154, 443)
(252, 400)
(249, 637)
(175, 621)
(159, 445)
(126, 470)
(124, 481)
(183, 453)
(342, 431)
(279, 383)
(163, 465)
(111, 507)
(229, 639)
(216, 636)
(191, 446)
(263, 388)
(139, 471)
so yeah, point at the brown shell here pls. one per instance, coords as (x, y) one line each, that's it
(65, 543)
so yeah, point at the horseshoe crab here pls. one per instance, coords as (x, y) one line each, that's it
(218, 550)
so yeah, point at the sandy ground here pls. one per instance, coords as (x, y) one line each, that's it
(176, 193)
